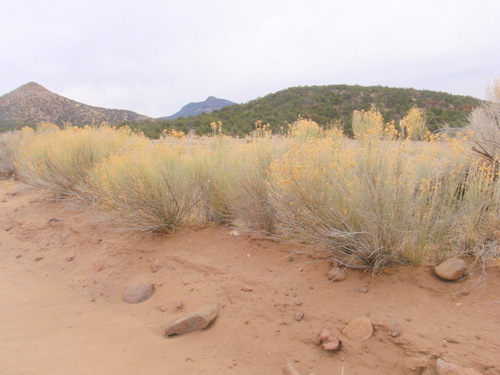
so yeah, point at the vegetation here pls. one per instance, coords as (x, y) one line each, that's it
(326, 105)
(388, 196)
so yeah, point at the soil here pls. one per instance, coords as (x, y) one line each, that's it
(65, 314)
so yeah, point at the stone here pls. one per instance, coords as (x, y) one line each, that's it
(138, 293)
(179, 306)
(288, 369)
(360, 329)
(97, 266)
(70, 258)
(336, 274)
(298, 303)
(193, 322)
(37, 259)
(329, 340)
(299, 315)
(156, 266)
(451, 269)
(449, 368)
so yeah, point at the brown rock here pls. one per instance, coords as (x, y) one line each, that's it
(156, 266)
(451, 269)
(37, 259)
(358, 330)
(449, 368)
(299, 315)
(288, 369)
(70, 258)
(329, 340)
(193, 322)
(97, 266)
(138, 293)
(336, 274)
(179, 306)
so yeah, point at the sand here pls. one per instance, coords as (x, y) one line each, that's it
(66, 316)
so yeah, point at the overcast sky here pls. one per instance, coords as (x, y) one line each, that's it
(153, 57)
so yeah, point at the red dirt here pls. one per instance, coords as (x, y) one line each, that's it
(68, 317)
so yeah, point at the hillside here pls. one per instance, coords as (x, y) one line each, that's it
(325, 104)
(32, 104)
(193, 109)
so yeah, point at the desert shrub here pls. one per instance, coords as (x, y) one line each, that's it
(484, 121)
(414, 124)
(148, 188)
(58, 161)
(367, 123)
(9, 148)
(377, 202)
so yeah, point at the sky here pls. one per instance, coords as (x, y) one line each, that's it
(154, 56)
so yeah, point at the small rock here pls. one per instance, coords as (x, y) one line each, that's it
(288, 369)
(179, 306)
(299, 315)
(18, 256)
(298, 303)
(234, 232)
(156, 266)
(70, 258)
(193, 322)
(336, 274)
(364, 289)
(97, 266)
(358, 330)
(329, 340)
(451, 269)
(8, 228)
(138, 293)
(54, 220)
(37, 259)
(396, 329)
(449, 368)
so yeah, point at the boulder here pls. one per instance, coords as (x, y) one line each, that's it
(138, 293)
(451, 269)
(358, 330)
(193, 322)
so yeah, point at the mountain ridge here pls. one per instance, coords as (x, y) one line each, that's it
(196, 108)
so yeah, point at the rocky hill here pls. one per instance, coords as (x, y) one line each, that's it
(32, 104)
(193, 109)
(326, 104)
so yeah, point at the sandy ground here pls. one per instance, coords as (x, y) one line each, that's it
(68, 317)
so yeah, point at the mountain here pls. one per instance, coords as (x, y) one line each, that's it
(193, 109)
(326, 104)
(32, 104)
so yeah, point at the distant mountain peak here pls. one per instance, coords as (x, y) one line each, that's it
(193, 109)
(32, 104)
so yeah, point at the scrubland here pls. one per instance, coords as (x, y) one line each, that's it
(390, 195)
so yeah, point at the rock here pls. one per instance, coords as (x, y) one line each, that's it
(298, 303)
(193, 322)
(156, 266)
(329, 340)
(336, 274)
(288, 369)
(358, 330)
(37, 259)
(449, 368)
(396, 329)
(364, 289)
(451, 269)
(97, 266)
(299, 315)
(18, 256)
(138, 293)
(179, 306)
(54, 220)
(70, 258)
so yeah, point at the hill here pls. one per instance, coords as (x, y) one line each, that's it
(326, 104)
(32, 104)
(193, 109)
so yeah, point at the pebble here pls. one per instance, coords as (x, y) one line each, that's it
(193, 322)
(37, 259)
(18, 256)
(298, 303)
(360, 329)
(336, 274)
(179, 306)
(156, 266)
(288, 369)
(70, 258)
(329, 340)
(138, 293)
(451, 269)
(299, 315)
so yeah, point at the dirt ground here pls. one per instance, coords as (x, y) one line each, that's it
(66, 316)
